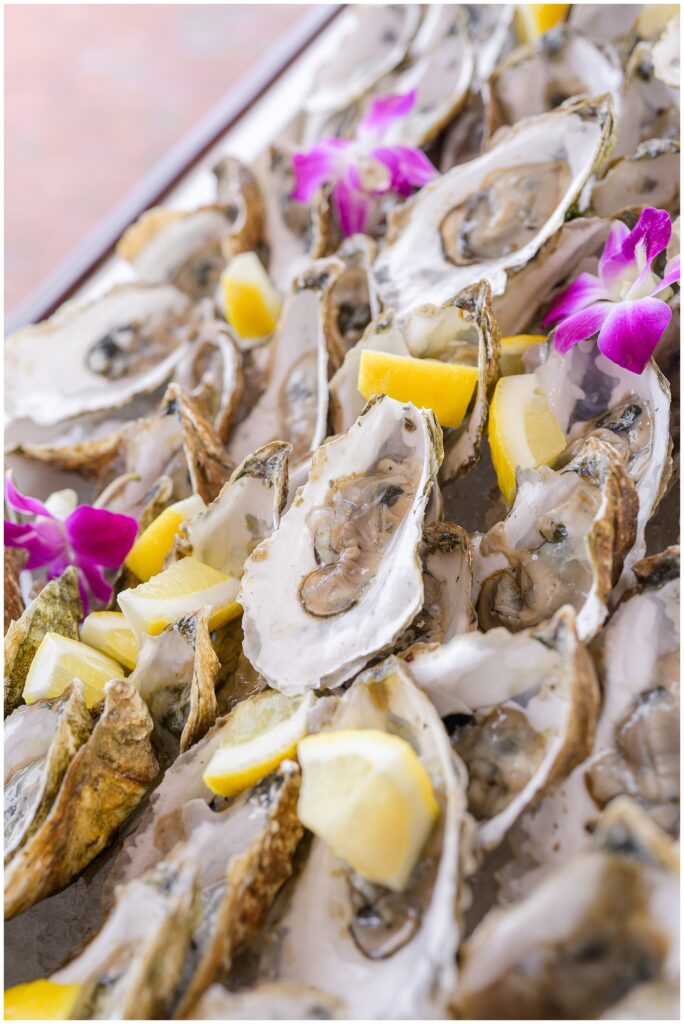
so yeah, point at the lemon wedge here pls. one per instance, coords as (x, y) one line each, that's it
(41, 1000)
(367, 794)
(513, 348)
(533, 20)
(522, 430)
(252, 306)
(183, 587)
(446, 388)
(59, 660)
(260, 733)
(110, 633)
(146, 557)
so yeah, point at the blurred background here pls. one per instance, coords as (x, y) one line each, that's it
(94, 95)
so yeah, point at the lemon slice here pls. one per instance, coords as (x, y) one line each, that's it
(184, 587)
(513, 348)
(446, 388)
(59, 660)
(367, 794)
(252, 306)
(146, 557)
(522, 430)
(41, 1000)
(260, 733)
(110, 633)
(533, 20)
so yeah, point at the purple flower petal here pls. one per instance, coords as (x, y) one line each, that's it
(100, 536)
(578, 295)
(409, 167)
(98, 585)
(352, 207)
(612, 263)
(672, 275)
(22, 503)
(581, 325)
(650, 236)
(44, 540)
(632, 331)
(384, 111)
(314, 168)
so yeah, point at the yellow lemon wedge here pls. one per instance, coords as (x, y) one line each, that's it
(367, 794)
(533, 20)
(59, 660)
(522, 430)
(446, 388)
(182, 588)
(110, 633)
(251, 303)
(513, 348)
(146, 557)
(260, 733)
(41, 1000)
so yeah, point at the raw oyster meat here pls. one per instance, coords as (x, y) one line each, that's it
(381, 954)
(340, 579)
(111, 350)
(526, 705)
(105, 781)
(492, 214)
(563, 542)
(604, 922)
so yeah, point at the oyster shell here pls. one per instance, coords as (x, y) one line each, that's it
(653, 1000)
(245, 512)
(271, 1001)
(636, 750)
(14, 600)
(590, 395)
(490, 27)
(650, 108)
(560, 65)
(294, 405)
(601, 924)
(211, 375)
(563, 542)
(352, 296)
(530, 702)
(104, 783)
(56, 609)
(176, 674)
(40, 742)
(666, 54)
(111, 350)
(207, 461)
(382, 954)
(340, 579)
(649, 177)
(458, 221)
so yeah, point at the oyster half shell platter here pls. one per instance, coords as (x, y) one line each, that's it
(342, 549)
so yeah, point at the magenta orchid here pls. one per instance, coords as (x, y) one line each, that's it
(620, 304)
(66, 534)
(362, 168)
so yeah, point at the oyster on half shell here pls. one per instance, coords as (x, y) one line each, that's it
(491, 215)
(526, 705)
(563, 542)
(382, 954)
(340, 579)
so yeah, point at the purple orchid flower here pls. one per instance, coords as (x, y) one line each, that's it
(620, 303)
(362, 168)
(89, 538)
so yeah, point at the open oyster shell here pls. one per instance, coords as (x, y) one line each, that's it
(353, 297)
(211, 374)
(563, 542)
(648, 177)
(206, 459)
(111, 350)
(650, 107)
(382, 955)
(56, 609)
(542, 75)
(341, 579)
(530, 702)
(294, 404)
(469, 223)
(40, 742)
(105, 781)
(601, 924)
(277, 1000)
(636, 749)
(14, 606)
(245, 512)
